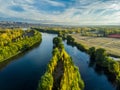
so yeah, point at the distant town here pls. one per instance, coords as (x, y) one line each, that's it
(11, 24)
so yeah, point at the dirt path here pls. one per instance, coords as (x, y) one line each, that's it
(57, 75)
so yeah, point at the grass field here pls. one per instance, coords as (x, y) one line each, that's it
(112, 45)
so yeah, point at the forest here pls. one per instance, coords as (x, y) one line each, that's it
(15, 41)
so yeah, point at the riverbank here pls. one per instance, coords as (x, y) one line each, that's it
(20, 44)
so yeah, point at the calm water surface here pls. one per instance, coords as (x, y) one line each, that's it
(23, 72)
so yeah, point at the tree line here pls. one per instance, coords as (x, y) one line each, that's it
(96, 31)
(16, 41)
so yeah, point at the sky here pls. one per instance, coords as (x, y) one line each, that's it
(67, 12)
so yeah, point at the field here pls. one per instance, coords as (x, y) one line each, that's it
(112, 45)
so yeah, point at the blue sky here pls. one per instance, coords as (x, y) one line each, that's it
(71, 12)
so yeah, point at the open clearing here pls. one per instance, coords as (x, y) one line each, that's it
(112, 45)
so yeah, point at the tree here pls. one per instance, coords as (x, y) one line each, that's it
(91, 52)
(46, 82)
(100, 56)
(57, 41)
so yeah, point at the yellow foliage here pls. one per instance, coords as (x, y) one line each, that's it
(4, 35)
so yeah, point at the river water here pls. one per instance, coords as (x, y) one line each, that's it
(24, 71)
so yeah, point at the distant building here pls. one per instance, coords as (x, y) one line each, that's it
(114, 36)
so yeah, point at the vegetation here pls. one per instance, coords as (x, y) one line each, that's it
(14, 41)
(101, 59)
(57, 42)
(96, 31)
(61, 73)
(61, 31)
(56, 30)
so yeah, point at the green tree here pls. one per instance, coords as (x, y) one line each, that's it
(91, 52)
(101, 56)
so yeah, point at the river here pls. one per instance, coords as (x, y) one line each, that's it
(23, 72)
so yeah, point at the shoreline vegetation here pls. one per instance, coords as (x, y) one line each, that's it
(61, 73)
(16, 41)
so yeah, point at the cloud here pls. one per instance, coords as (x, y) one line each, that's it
(75, 12)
